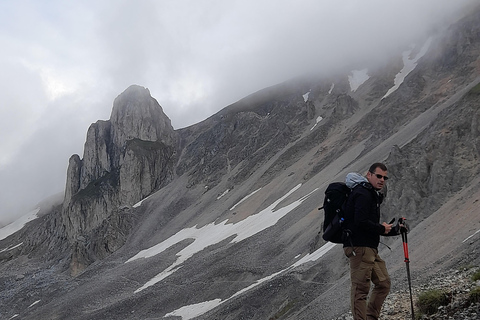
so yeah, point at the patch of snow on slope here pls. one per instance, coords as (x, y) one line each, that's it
(139, 203)
(357, 78)
(224, 193)
(305, 96)
(248, 196)
(314, 256)
(319, 118)
(11, 248)
(470, 236)
(212, 233)
(331, 88)
(195, 310)
(34, 303)
(408, 66)
(18, 224)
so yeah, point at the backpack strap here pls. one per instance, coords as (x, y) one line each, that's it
(379, 195)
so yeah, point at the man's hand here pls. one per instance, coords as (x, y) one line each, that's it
(387, 226)
(402, 225)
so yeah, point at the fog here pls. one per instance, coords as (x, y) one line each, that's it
(64, 62)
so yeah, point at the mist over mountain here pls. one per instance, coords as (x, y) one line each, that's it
(220, 220)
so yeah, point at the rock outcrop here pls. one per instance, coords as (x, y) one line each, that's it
(124, 160)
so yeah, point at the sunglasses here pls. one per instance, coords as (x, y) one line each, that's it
(379, 176)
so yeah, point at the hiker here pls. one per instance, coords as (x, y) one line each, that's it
(362, 216)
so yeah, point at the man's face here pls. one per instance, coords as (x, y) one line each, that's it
(377, 179)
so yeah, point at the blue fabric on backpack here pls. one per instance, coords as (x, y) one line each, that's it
(352, 179)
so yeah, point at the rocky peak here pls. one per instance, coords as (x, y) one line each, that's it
(125, 159)
(136, 115)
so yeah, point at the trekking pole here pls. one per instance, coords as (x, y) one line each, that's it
(403, 231)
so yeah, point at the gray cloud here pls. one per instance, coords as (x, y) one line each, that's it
(63, 63)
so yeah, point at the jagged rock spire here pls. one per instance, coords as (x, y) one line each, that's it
(125, 158)
(136, 115)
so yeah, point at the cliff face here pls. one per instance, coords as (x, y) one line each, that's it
(124, 160)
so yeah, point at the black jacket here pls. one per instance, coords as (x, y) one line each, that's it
(362, 217)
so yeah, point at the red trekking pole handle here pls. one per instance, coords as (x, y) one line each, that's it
(403, 231)
(405, 246)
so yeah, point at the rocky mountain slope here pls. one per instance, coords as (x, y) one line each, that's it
(220, 220)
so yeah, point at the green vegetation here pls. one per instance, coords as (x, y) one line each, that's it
(96, 188)
(475, 90)
(474, 295)
(476, 276)
(286, 307)
(429, 301)
(146, 145)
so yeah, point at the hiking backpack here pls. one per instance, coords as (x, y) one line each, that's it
(335, 197)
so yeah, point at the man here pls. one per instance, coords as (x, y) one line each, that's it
(362, 216)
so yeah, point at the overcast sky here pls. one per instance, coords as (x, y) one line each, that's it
(62, 64)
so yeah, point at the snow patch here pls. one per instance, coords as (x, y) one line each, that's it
(471, 236)
(34, 303)
(408, 66)
(18, 224)
(195, 310)
(314, 256)
(224, 193)
(319, 118)
(212, 233)
(331, 88)
(11, 248)
(305, 96)
(357, 78)
(139, 203)
(248, 196)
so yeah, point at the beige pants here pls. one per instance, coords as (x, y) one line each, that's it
(365, 267)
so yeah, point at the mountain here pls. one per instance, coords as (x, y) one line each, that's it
(220, 220)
